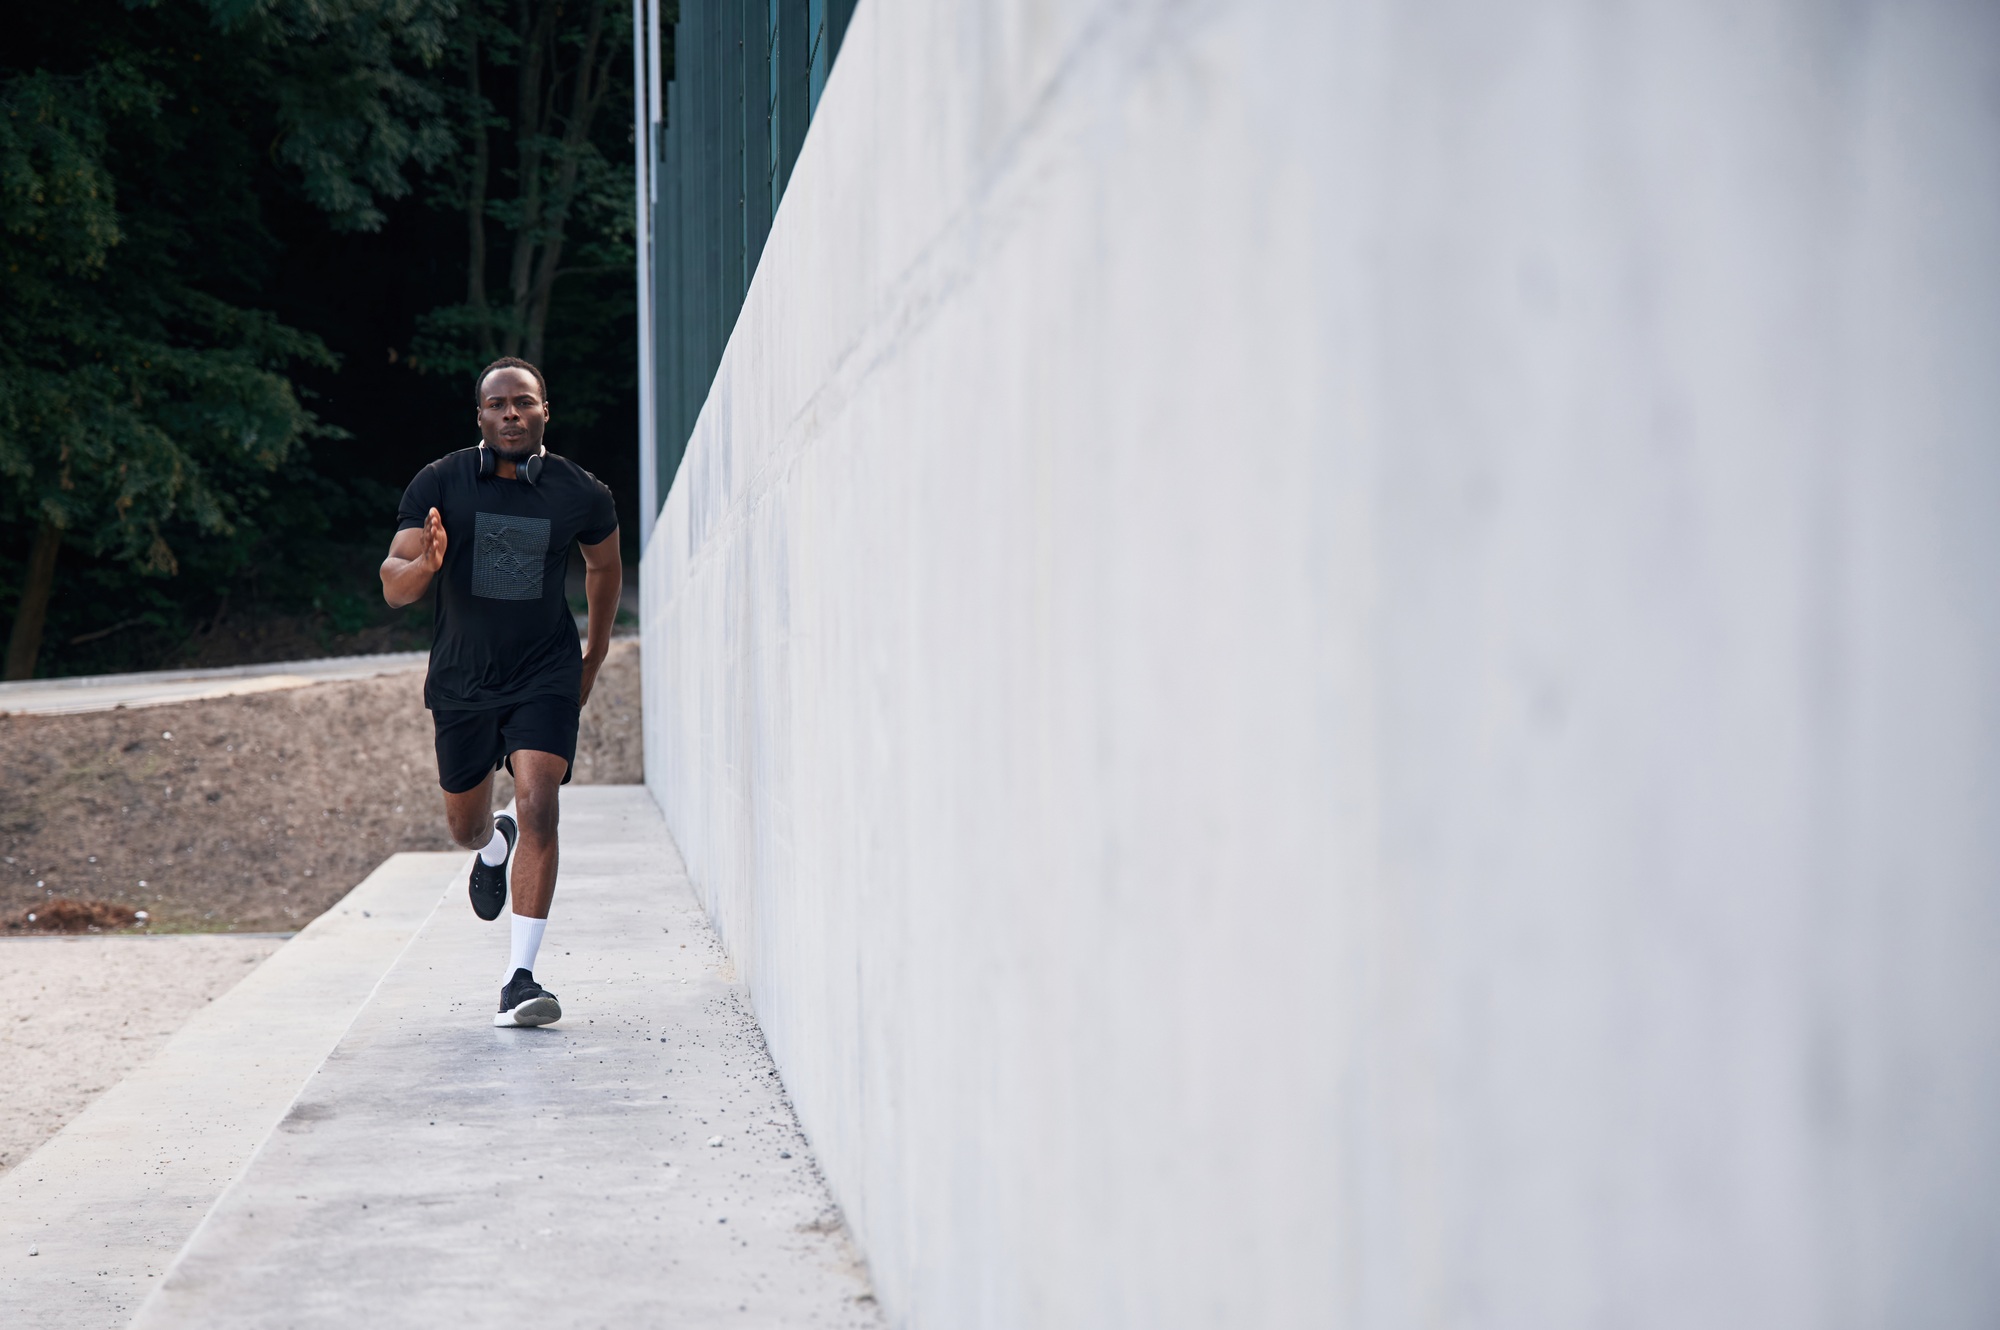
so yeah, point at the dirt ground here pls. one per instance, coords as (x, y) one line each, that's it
(249, 813)
(84, 1011)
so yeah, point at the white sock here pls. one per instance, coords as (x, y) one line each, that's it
(527, 941)
(495, 852)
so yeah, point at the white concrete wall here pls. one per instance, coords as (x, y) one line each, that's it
(1338, 663)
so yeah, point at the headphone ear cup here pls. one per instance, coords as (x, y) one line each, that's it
(485, 460)
(533, 468)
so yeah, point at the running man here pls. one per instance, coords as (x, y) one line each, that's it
(506, 680)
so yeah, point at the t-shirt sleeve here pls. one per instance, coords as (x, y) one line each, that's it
(419, 499)
(601, 512)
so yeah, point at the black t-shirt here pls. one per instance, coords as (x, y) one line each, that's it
(504, 631)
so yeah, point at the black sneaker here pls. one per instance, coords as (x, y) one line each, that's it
(489, 884)
(525, 1002)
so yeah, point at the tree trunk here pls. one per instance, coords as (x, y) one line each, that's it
(475, 209)
(555, 106)
(584, 101)
(529, 119)
(25, 643)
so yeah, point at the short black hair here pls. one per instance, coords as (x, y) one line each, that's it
(507, 362)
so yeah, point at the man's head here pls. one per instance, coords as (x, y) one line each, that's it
(513, 407)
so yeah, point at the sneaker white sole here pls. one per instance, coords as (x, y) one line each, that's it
(543, 1010)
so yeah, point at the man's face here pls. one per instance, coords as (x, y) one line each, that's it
(512, 413)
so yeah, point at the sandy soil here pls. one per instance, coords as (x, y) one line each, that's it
(83, 1011)
(247, 813)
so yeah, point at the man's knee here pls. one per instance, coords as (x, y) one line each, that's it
(468, 816)
(469, 830)
(538, 809)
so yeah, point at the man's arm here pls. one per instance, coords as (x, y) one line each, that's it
(603, 577)
(415, 555)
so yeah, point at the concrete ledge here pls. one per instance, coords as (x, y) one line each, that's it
(107, 1202)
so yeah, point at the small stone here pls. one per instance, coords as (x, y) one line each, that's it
(715, 1141)
(166, 734)
(784, 1154)
(34, 1251)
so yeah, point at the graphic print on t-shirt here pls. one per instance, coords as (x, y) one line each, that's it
(507, 554)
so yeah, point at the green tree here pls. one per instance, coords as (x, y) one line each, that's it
(535, 78)
(142, 393)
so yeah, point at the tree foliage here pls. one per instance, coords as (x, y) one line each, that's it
(127, 396)
(219, 220)
(537, 77)
(143, 393)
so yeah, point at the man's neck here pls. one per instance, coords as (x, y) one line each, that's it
(506, 469)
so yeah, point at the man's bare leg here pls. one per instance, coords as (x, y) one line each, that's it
(469, 817)
(537, 780)
(531, 871)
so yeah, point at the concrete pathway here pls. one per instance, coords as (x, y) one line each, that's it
(637, 1164)
(103, 692)
(89, 1221)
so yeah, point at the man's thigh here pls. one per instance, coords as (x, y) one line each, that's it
(539, 736)
(468, 750)
(469, 747)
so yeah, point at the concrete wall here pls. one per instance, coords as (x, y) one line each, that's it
(1338, 663)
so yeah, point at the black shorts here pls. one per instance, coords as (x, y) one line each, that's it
(471, 745)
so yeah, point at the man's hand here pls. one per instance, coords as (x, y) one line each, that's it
(414, 559)
(434, 542)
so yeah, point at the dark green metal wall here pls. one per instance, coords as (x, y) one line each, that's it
(746, 79)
